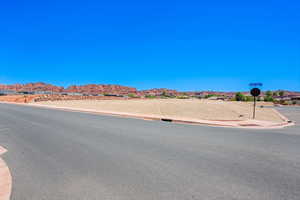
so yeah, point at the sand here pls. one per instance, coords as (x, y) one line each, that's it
(185, 109)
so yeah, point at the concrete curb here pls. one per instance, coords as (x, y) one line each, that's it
(284, 118)
(250, 124)
(5, 178)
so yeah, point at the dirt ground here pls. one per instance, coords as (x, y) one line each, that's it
(18, 98)
(185, 109)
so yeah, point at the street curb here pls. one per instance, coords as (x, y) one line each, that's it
(5, 178)
(249, 124)
(284, 118)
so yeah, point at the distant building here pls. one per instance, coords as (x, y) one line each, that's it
(43, 92)
(25, 92)
(7, 92)
(72, 94)
(296, 99)
(216, 98)
(282, 98)
(111, 95)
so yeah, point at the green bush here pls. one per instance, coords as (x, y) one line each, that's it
(239, 97)
(131, 95)
(269, 99)
(249, 98)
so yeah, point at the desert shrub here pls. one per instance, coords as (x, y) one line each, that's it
(182, 97)
(285, 103)
(150, 96)
(209, 95)
(164, 94)
(131, 95)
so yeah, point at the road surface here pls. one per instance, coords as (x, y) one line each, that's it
(54, 154)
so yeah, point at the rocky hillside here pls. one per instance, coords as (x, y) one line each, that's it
(101, 89)
(31, 87)
(85, 89)
(159, 91)
(111, 89)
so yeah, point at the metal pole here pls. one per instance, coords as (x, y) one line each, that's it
(254, 107)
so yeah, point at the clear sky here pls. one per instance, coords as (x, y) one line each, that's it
(184, 45)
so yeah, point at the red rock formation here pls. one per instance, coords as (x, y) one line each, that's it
(101, 89)
(159, 91)
(31, 87)
(85, 89)
(113, 89)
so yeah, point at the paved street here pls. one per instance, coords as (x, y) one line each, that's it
(56, 155)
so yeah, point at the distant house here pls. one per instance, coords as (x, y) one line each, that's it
(111, 95)
(72, 94)
(282, 98)
(296, 99)
(216, 98)
(25, 92)
(7, 92)
(43, 92)
(199, 95)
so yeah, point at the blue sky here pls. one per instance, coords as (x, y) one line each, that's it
(185, 45)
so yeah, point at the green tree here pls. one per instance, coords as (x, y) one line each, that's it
(239, 97)
(268, 93)
(275, 94)
(281, 93)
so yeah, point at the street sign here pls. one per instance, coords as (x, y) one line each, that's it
(253, 85)
(255, 92)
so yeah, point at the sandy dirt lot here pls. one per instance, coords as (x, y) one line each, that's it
(185, 109)
(18, 98)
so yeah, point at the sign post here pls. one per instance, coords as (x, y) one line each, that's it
(255, 92)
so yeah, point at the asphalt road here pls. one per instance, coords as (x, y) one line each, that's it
(58, 155)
